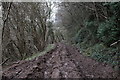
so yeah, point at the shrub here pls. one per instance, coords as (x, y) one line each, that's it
(103, 54)
(108, 31)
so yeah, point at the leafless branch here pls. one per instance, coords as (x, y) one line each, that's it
(5, 61)
(8, 11)
(5, 19)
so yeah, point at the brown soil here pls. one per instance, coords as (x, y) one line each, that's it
(63, 62)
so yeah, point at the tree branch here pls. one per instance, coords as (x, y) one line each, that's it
(4, 20)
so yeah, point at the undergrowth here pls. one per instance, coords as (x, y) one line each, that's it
(47, 49)
(102, 53)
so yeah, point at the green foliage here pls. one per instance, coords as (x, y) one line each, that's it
(103, 54)
(92, 26)
(81, 35)
(89, 51)
(97, 34)
(113, 9)
(108, 31)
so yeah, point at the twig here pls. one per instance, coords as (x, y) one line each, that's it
(4, 61)
(4, 20)
(115, 43)
(7, 12)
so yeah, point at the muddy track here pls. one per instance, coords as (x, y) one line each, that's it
(64, 61)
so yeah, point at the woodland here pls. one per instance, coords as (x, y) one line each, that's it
(33, 30)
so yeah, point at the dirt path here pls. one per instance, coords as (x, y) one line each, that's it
(63, 62)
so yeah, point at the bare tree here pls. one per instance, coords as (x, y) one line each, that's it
(26, 29)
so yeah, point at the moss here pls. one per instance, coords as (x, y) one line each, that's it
(47, 49)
